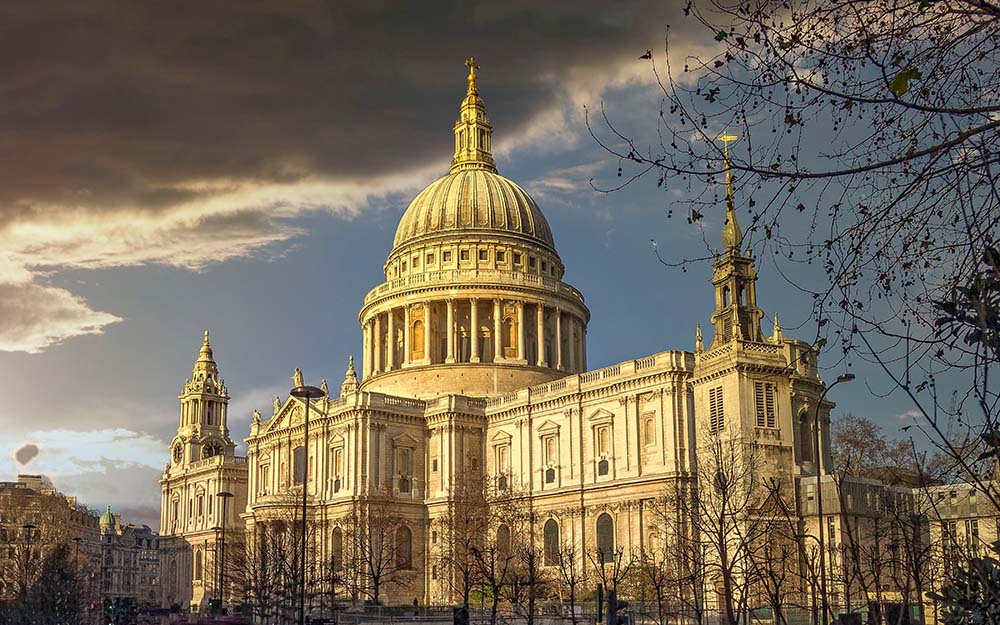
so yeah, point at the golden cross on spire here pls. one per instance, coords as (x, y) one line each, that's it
(471, 64)
(726, 139)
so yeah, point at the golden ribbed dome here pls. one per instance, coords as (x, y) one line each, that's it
(473, 199)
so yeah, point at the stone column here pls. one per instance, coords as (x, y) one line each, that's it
(497, 331)
(474, 322)
(366, 369)
(390, 358)
(520, 331)
(378, 343)
(583, 346)
(571, 342)
(559, 354)
(541, 336)
(406, 335)
(427, 332)
(450, 357)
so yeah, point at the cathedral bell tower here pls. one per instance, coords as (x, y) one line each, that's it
(202, 432)
(203, 488)
(736, 314)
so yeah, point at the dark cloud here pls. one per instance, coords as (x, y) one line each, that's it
(124, 104)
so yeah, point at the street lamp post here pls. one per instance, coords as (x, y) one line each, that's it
(225, 496)
(845, 377)
(306, 394)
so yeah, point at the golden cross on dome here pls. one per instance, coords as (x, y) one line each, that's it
(471, 64)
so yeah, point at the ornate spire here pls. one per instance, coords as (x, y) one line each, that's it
(206, 362)
(732, 236)
(699, 343)
(776, 336)
(473, 132)
(350, 384)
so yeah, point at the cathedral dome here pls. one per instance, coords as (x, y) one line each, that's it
(473, 200)
(473, 301)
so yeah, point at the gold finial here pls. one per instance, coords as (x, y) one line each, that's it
(726, 138)
(732, 236)
(471, 64)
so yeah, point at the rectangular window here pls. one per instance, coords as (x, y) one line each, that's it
(447, 256)
(464, 255)
(501, 256)
(603, 441)
(404, 461)
(766, 411)
(831, 532)
(545, 266)
(416, 262)
(550, 450)
(517, 258)
(503, 458)
(972, 537)
(403, 268)
(648, 430)
(430, 259)
(434, 465)
(484, 255)
(717, 415)
(298, 465)
(531, 262)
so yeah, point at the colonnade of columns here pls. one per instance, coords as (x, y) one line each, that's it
(474, 330)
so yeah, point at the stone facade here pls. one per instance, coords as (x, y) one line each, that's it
(130, 561)
(475, 364)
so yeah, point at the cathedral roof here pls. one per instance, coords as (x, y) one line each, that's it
(477, 200)
(473, 196)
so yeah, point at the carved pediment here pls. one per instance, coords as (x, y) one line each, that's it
(405, 440)
(601, 416)
(290, 414)
(501, 438)
(548, 427)
(336, 439)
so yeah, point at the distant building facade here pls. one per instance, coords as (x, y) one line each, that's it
(53, 518)
(130, 561)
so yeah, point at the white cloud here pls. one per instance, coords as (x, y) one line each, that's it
(33, 317)
(114, 466)
(910, 415)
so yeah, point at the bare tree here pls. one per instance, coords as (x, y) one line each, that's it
(868, 150)
(463, 530)
(380, 547)
(572, 574)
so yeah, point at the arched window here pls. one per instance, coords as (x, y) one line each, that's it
(503, 539)
(197, 565)
(725, 296)
(417, 339)
(605, 538)
(337, 548)
(550, 534)
(404, 548)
